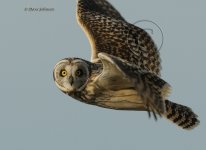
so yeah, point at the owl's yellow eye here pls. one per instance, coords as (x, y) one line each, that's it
(79, 73)
(63, 73)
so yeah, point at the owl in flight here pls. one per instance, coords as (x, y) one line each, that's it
(124, 72)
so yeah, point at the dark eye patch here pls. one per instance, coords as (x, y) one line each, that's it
(79, 73)
(63, 73)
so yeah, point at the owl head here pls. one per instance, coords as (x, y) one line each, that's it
(71, 74)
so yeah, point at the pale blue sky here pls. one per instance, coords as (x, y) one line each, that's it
(35, 115)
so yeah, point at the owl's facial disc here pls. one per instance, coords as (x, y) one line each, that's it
(71, 74)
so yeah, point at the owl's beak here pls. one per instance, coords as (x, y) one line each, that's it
(71, 80)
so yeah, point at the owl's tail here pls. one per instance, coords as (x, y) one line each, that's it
(181, 115)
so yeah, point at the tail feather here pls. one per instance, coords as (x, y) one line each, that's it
(181, 115)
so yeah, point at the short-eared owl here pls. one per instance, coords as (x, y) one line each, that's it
(124, 72)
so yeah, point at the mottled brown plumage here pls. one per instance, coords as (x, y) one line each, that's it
(108, 32)
(125, 70)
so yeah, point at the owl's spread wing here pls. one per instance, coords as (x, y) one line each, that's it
(108, 32)
(152, 89)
